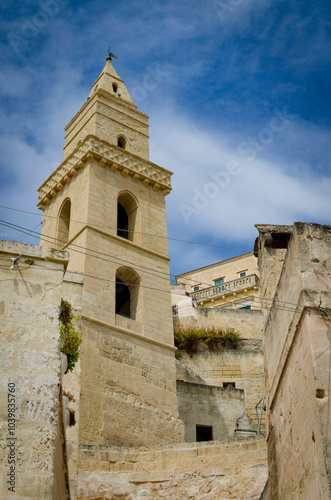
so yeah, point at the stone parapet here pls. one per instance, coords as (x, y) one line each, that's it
(237, 469)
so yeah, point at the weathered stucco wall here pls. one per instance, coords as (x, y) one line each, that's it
(209, 471)
(297, 365)
(30, 297)
(248, 323)
(72, 292)
(205, 405)
(243, 366)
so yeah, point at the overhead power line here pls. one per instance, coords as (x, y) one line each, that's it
(73, 246)
(128, 231)
(282, 304)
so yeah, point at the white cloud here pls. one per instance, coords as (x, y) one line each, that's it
(263, 192)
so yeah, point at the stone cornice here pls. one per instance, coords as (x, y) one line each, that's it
(117, 159)
(120, 240)
(128, 332)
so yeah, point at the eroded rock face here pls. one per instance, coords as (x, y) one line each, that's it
(184, 471)
(30, 357)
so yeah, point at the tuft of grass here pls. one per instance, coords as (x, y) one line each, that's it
(189, 339)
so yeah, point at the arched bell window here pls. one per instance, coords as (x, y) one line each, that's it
(127, 210)
(64, 223)
(127, 293)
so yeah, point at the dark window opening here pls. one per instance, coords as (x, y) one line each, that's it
(280, 240)
(122, 222)
(245, 307)
(127, 296)
(277, 240)
(230, 385)
(64, 224)
(127, 212)
(123, 299)
(115, 87)
(72, 418)
(204, 433)
(121, 142)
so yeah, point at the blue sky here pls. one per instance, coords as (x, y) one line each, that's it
(238, 94)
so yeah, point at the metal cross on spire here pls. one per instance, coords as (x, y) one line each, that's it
(110, 55)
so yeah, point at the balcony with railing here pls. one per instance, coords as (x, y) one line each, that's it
(240, 285)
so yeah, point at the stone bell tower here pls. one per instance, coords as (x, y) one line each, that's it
(105, 204)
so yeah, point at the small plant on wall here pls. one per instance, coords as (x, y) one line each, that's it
(190, 339)
(69, 335)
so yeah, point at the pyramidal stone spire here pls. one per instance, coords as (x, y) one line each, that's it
(109, 115)
(110, 82)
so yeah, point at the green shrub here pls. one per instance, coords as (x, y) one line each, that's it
(69, 335)
(189, 339)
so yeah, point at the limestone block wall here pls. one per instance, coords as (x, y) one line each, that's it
(243, 367)
(297, 367)
(32, 441)
(129, 397)
(233, 469)
(211, 406)
(77, 192)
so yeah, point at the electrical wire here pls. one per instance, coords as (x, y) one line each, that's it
(283, 303)
(138, 232)
(113, 282)
(74, 247)
(128, 230)
(23, 230)
(50, 239)
(25, 237)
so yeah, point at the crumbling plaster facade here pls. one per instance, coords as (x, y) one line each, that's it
(33, 442)
(297, 358)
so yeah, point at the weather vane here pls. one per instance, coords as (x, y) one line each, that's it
(110, 55)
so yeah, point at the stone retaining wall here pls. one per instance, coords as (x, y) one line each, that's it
(204, 471)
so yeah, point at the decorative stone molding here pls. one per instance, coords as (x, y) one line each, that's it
(150, 174)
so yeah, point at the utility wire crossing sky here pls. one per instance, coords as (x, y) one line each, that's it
(238, 94)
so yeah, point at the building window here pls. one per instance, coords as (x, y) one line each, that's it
(64, 223)
(245, 307)
(127, 293)
(121, 142)
(115, 87)
(242, 274)
(219, 281)
(196, 288)
(204, 433)
(127, 209)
